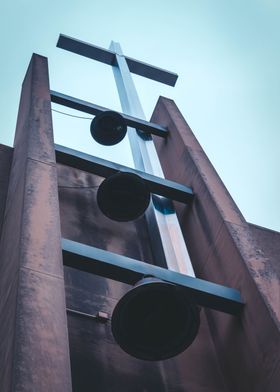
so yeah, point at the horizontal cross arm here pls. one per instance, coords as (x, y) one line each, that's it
(124, 269)
(150, 72)
(104, 168)
(108, 57)
(87, 50)
(91, 108)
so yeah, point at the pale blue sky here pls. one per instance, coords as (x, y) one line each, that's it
(225, 52)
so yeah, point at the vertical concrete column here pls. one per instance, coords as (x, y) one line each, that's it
(222, 250)
(6, 156)
(34, 338)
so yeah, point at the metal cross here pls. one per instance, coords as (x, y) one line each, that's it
(166, 236)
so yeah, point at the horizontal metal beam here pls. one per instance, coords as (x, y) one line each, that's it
(85, 49)
(108, 57)
(124, 269)
(160, 186)
(94, 109)
(148, 71)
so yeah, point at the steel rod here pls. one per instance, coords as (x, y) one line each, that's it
(166, 236)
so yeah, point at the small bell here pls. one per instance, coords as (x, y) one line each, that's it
(108, 128)
(123, 196)
(155, 320)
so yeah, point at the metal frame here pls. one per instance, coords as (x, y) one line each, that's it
(104, 168)
(169, 247)
(167, 241)
(87, 107)
(126, 270)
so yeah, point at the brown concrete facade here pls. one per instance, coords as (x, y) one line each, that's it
(6, 156)
(41, 201)
(97, 363)
(34, 353)
(223, 249)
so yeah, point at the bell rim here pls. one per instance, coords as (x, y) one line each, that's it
(116, 140)
(177, 348)
(100, 202)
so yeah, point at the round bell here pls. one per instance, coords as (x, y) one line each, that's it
(123, 196)
(108, 128)
(155, 320)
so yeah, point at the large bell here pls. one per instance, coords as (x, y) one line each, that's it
(155, 320)
(108, 128)
(123, 196)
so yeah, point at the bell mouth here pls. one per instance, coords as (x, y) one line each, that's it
(108, 128)
(155, 321)
(123, 196)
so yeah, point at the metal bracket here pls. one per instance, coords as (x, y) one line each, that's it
(91, 108)
(124, 269)
(104, 168)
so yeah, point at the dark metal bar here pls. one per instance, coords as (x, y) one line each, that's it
(127, 270)
(104, 168)
(94, 109)
(84, 49)
(154, 73)
(108, 57)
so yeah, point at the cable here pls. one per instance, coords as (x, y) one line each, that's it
(78, 187)
(71, 115)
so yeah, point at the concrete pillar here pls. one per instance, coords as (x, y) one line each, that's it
(34, 352)
(221, 246)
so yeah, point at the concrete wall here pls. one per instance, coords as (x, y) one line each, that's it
(97, 361)
(222, 246)
(34, 352)
(6, 156)
(40, 201)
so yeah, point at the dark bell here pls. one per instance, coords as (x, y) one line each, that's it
(155, 320)
(123, 196)
(108, 128)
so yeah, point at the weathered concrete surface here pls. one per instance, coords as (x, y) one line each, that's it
(223, 249)
(229, 353)
(97, 361)
(99, 364)
(267, 243)
(6, 156)
(34, 339)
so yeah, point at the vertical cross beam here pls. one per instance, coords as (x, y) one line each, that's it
(166, 237)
